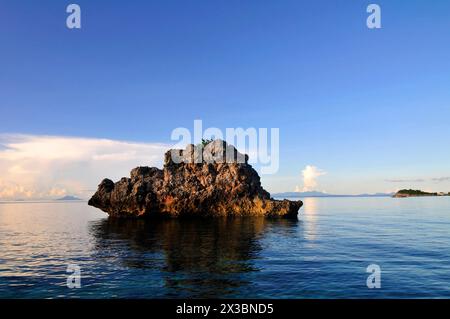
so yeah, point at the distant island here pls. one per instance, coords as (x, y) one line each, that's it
(416, 193)
(321, 194)
(69, 198)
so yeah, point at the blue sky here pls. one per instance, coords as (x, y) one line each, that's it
(370, 108)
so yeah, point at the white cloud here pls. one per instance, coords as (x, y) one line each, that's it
(39, 167)
(310, 175)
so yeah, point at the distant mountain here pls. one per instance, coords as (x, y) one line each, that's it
(301, 194)
(320, 194)
(375, 195)
(69, 198)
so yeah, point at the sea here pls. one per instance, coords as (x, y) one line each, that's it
(337, 248)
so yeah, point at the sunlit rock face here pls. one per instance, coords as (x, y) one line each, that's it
(203, 180)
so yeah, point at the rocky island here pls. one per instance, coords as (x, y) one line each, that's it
(416, 193)
(206, 180)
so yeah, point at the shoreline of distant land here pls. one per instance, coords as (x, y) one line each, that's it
(404, 193)
(321, 194)
(47, 200)
(69, 197)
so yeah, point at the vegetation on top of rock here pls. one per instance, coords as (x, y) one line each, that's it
(415, 192)
(206, 142)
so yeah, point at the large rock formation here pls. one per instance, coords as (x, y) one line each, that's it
(211, 180)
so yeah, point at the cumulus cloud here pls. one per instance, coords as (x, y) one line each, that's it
(40, 167)
(310, 175)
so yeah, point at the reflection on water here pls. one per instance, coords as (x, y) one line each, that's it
(199, 258)
(310, 211)
(322, 255)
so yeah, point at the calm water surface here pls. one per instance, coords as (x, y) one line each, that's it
(323, 254)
